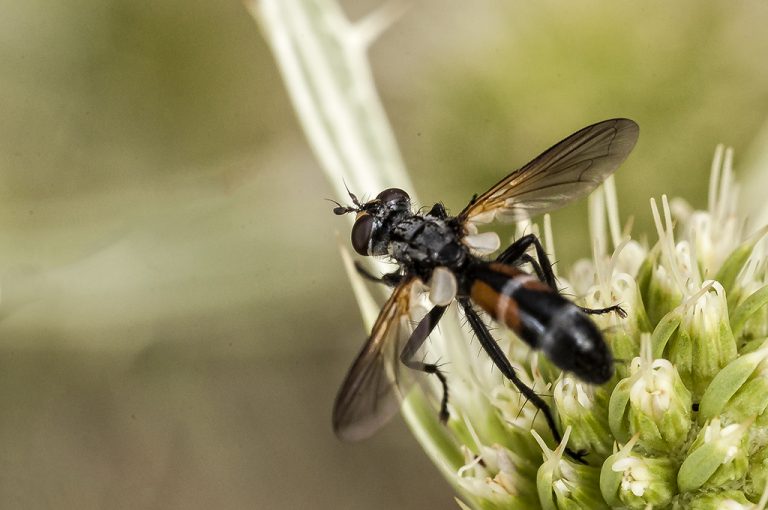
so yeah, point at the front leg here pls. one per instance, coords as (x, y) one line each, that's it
(389, 279)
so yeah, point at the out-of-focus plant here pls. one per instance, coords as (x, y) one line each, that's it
(683, 422)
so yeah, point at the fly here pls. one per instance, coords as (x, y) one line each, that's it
(450, 256)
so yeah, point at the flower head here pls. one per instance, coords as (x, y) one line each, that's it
(688, 404)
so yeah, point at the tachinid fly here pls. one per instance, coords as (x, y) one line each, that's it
(449, 255)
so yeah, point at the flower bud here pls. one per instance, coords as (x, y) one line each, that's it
(652, 402)
(696, 337)
(717, 455)
(739, 273)
(740, 390)
(514, 418)
(631, 480)
(721, 500)
(658, 288)
(562, 483)
(498, 477)
(750, 316)
(585, 410)
(757, 473)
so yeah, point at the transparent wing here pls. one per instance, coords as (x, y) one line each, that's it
(371, 392)
(569, 170)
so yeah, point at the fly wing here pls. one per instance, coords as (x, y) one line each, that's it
(569, 170)
(371, 392)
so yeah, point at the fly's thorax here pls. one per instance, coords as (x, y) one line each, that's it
(426, 242)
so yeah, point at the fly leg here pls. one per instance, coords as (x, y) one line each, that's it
(516, 252)
(408, 354)
(438, 211)
(608, 309)
(390, 279)
(535, 265)
(417, 338)
(499, 359)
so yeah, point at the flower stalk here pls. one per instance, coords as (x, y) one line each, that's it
(322, 57)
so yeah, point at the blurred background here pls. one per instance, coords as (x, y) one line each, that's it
(175, 316)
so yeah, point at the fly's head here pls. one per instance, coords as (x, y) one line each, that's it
(368, 236)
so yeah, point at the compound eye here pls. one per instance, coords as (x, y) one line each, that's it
(362, 232)
(392, 195)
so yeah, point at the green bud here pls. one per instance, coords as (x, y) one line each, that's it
(548, 370)
(660, 406)
(642, 322)
(721, 500)
(718, 455)
(757, 474)
(652, 402)
(731, 273)
(624, 347)
(697, 338)
(565, 485)
(618, 409)
(512, 421)
(660, 293)
(740, 390)
(585, 409)
(630, 480)
(750, 317)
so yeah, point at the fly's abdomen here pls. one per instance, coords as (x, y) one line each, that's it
(496, 287)
(543, 319)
